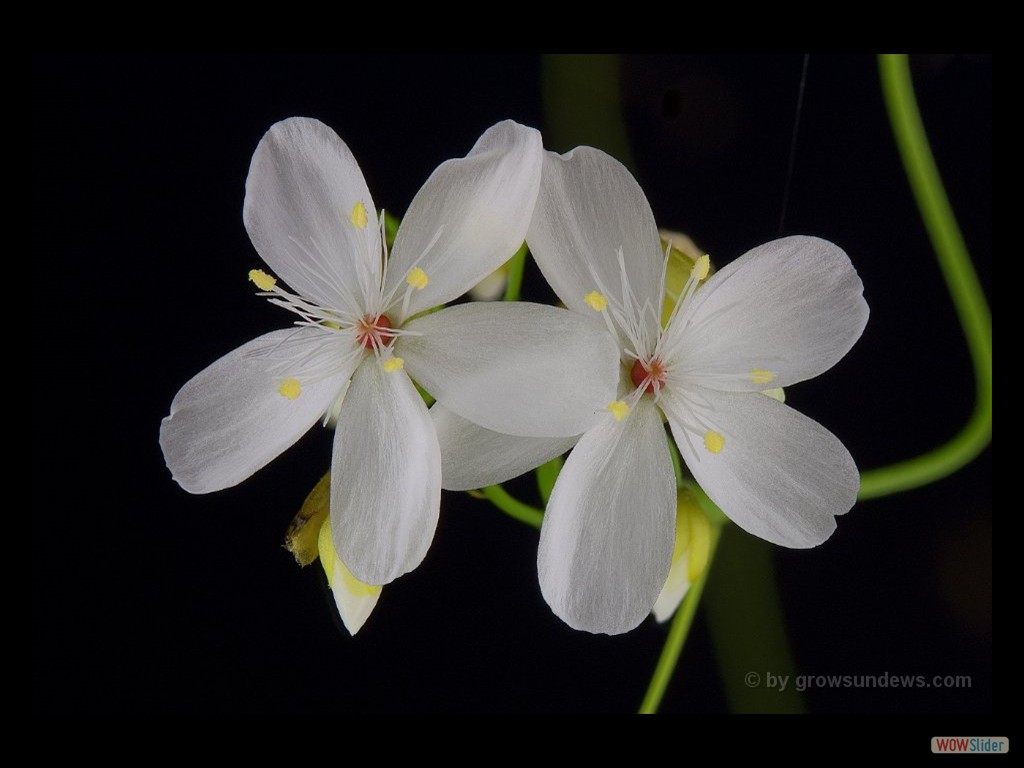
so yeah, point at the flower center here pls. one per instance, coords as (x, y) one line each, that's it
(650, 375)
(373, 332)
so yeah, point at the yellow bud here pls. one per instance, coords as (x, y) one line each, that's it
(682, 258)
(304, 531)
(354, 599)
(690, 554)
(491, 287)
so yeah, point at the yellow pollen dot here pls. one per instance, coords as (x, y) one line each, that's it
(417, 278)
(393, 364)
(596, 301)
(263, 281)
(619, 409)
(358, 217)
(761, 376)
(701, 267)
(290, 388)
(714, 441)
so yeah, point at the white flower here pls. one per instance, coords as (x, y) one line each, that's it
(782, 313)
(312, 220)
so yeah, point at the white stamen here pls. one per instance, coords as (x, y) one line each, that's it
(389, 300)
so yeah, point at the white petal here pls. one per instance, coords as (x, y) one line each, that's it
(474, 457)
(516, 368)
(779, 475)
(606, 542)
(470, 216)
(781, 313)
(302, 189)
(230, 419)
(385, 476)
(354, 599)
(589, 207)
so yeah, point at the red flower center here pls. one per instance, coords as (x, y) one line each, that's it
(652, 372)
(372, 332)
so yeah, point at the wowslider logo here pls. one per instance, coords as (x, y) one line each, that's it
(978, 745)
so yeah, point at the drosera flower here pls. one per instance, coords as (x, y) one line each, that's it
(309, 539)
(361, 332)
(783, 312)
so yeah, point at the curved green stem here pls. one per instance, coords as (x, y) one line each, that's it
(677, 635)
(961, 279)
(512, 506)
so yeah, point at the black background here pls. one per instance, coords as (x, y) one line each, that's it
(148, 599)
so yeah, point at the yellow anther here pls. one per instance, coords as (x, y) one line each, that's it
(263, 281)
(761, 376)
(417, 278)
(619, 409)
(701, 267)
(596, 301)
(393, 364)
(714, 441)
(358, 217)
(290, 388)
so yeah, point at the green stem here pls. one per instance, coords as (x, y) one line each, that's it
(516, 264)
(512, 506)
(745, 620)
(677, 635)
(961, 280)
